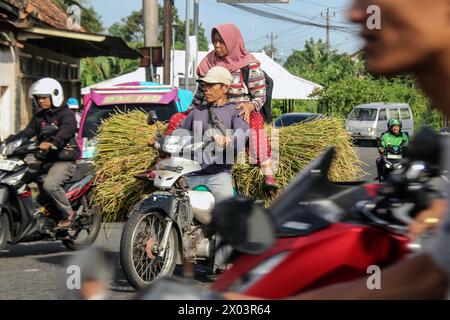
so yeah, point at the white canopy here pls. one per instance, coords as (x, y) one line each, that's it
(286, 85)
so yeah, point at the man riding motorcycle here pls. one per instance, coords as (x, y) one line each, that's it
(220, 120)
(214, 120)
(394, 137)
(58, 152)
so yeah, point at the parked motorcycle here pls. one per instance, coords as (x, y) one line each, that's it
(22, 219)
(392, 160)
(168, 227)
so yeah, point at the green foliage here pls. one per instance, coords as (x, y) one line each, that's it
(131, 29)
(340, 97)
(306, 106)
(314, 64)
(347, 84)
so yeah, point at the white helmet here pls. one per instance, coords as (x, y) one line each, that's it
(48, 87)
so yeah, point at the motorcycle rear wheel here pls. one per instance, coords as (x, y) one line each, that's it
(140, 264)
(90, 223)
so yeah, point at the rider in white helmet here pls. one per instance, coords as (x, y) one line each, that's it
(58, 150)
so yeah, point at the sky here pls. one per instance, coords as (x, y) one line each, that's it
(256, 29)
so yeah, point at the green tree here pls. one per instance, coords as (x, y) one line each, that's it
(90, 19)
(131, 29)
(346, 83)
(314, 64)
(340, 97)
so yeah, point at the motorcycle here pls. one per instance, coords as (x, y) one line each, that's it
(392, 160)
(168, 227)
(317, 232)
(22, 219)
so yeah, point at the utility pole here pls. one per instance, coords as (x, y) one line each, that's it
(196, 25)
(174, 29)
(187, 51)
(272, 46)
(168, 5)
(150, 12)
(327, 17)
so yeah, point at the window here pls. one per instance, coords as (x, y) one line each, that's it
(382, 116)
(26, 64)
(39, 66)
(363, 114)
(73, 72)
(53, 69)
(405, 114)
(96, 114)
(394, 113)
(64, 71)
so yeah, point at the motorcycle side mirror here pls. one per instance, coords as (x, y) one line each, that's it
(248, 227)
(152, 118)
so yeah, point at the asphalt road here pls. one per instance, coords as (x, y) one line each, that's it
(38, 270)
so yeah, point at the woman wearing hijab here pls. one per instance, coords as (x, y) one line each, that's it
(229, 52)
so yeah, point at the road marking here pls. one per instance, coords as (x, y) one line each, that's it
(31, 270)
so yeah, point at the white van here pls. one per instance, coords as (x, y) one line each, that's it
(369, 121)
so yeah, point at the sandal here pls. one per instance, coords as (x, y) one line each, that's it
(270, 182)
(67, 224)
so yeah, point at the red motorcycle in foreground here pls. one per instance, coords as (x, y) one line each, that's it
(316, 233)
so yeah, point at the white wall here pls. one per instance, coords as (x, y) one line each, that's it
(7, 91)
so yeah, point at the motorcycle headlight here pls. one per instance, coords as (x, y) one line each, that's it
(8, 149)
(388, 165)
(398, 166)
(174, 144)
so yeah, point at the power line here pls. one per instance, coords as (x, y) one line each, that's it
(275, 16)
(321, 5)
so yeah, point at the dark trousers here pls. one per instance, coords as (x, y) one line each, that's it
(59, 173)
(380, 164)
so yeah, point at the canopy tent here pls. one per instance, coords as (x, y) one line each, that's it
(286, 85)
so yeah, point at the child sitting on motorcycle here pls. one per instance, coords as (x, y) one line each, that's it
(394, 137)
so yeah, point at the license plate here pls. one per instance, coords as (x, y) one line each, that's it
(9, 165)
(394, 156)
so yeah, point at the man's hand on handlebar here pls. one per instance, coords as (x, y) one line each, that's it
(222, 141)
(428, 219)
(381, 150)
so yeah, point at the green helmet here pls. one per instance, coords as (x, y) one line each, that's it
(394, 122)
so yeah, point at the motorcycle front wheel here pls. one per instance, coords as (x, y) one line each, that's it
(140, 258)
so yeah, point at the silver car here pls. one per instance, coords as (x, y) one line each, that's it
(369, 121)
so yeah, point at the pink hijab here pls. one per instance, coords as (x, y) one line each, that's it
(237, 57)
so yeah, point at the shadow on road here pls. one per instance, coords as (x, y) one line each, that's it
(35, 249)
(59, 260)
(365, 143)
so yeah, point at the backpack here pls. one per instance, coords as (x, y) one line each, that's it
(266, 109)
